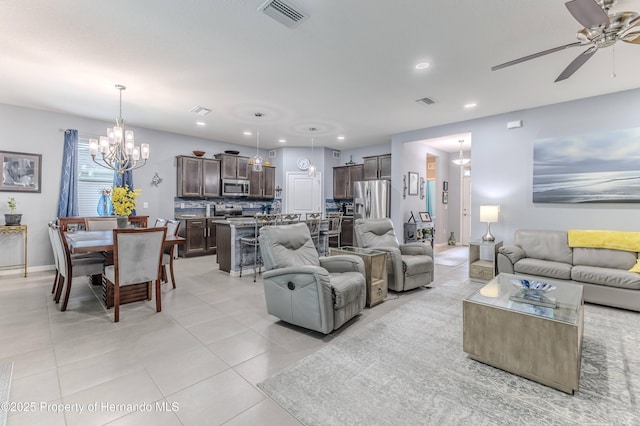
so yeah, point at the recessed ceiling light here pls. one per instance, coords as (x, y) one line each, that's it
(470, 105)
(422, 65)
(340, 138)
(281, 140)
(247, 133)
(201, 123)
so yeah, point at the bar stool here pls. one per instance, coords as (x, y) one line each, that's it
(289, 218)
(335, 228)
(252, 241)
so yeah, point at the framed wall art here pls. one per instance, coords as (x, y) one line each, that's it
(413, 183)
(445, 186)
(445, 198)
(21, 172)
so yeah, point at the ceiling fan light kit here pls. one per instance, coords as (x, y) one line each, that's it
(602, 28)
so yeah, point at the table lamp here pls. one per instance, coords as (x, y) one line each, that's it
(489, 214)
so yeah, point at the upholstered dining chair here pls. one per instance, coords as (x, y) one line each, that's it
(137, 258)
(100, 223)
(408, 265)
(318, 293)
(68, 266)
(160, 223)
(168, 254)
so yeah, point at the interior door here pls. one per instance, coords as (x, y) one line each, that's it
(466, 211)
(303, 193)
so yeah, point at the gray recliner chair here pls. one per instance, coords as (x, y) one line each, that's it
(304, 289)
(408, 265)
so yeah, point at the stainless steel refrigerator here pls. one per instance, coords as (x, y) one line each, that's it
(371, 199)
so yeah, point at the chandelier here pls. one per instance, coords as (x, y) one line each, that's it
(118, 150)
(312, 164)
(257, 159)
(461, 161)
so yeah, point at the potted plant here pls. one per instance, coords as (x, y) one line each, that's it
(124, 203)
(12, 218)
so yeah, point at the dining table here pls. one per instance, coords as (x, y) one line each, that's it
(102, 241)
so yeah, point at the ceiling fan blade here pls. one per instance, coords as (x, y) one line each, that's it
(632, 37)
(535, 55)
(588, 13)
(576, 63)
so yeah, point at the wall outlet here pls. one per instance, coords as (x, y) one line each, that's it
(182, 205)
(145, 205)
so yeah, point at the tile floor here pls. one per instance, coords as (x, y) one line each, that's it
(197, 362)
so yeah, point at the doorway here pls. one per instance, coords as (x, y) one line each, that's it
(465, 232)
(303, 193)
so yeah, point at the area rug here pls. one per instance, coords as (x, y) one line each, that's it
(6, 370)
(452, 257)
(408, 368)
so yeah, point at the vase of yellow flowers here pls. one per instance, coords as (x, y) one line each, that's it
(123, 200)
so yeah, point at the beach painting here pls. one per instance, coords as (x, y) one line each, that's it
(592, 168)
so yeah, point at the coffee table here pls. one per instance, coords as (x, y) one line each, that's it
(540, 343)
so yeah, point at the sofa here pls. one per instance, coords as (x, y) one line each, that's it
(604, 272)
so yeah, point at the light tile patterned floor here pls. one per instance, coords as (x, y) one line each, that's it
(202, 355)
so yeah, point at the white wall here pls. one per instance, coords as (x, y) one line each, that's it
(502, 162)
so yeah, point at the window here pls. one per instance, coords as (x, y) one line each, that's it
(91, 179)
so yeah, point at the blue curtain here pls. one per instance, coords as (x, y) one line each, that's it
(68, 200)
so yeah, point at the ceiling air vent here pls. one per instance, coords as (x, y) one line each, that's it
(283, 12)
(426, 101)
(200, 110)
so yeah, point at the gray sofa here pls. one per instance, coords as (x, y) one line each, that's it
(603, 273)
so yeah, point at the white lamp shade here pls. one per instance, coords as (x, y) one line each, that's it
(489, 213)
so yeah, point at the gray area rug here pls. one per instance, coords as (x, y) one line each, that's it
(6, 370)
(452, 257)
(408, 368)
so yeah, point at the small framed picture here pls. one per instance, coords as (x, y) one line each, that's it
(445, 197)
(425, 217)
(445, 186)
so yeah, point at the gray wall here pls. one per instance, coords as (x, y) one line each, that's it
(502, 162)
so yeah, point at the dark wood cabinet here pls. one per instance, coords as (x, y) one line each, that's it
(197, 177)
(343, 178)
(377, 167)
(200, 235)
(234, 166)
(346, 232)
(262, 184)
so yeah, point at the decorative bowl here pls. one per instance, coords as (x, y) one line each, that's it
(198, 153)
(533, 286)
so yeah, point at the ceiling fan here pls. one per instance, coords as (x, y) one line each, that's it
(602, 28)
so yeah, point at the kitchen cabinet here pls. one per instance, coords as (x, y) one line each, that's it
(377, 167)
(197, 177)
(234, 166)
(200, 236)
(343, 178)
(262, 184)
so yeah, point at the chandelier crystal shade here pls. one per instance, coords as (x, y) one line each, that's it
(461, 161)
(118, 150)
(312, 165)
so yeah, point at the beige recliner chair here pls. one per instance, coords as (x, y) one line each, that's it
(408, 265)
(303, 289)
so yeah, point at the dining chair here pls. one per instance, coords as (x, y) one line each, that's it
(160, 223)
(335, 228)
(168, 252)
(68, 266)
(137, 258)
(252, 241)
(100, 223)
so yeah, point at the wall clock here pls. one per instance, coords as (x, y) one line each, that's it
(303, 163)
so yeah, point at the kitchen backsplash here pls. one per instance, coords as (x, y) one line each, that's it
(189, 206)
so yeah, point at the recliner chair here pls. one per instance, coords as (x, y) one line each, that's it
(301, 288)
(408, 265)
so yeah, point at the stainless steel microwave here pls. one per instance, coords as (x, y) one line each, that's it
(235, 188)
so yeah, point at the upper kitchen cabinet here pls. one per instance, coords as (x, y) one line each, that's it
(197, 177)
(234, 166)
(343, 178)
(262, 184)
(377, 167)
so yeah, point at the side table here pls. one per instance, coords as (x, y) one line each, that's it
(13, 230)
(375, 267)
(483, 268)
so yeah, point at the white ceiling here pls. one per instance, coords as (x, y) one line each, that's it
(347, 70)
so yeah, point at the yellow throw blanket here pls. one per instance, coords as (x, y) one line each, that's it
(617, 240)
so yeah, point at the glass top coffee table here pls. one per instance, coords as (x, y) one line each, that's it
(533, 340)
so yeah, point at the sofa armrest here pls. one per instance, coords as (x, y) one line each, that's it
(513, 253)
(416, 249)
(343, 263)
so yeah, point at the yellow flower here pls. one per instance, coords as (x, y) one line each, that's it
(124, 200)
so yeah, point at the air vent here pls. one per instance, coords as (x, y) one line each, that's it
(426, 101)
(336, 154)
(283, 12)
(272, 153)
(200, 110)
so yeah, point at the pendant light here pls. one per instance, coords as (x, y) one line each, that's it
(257, 159)
(312, 164)
(461, 161)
